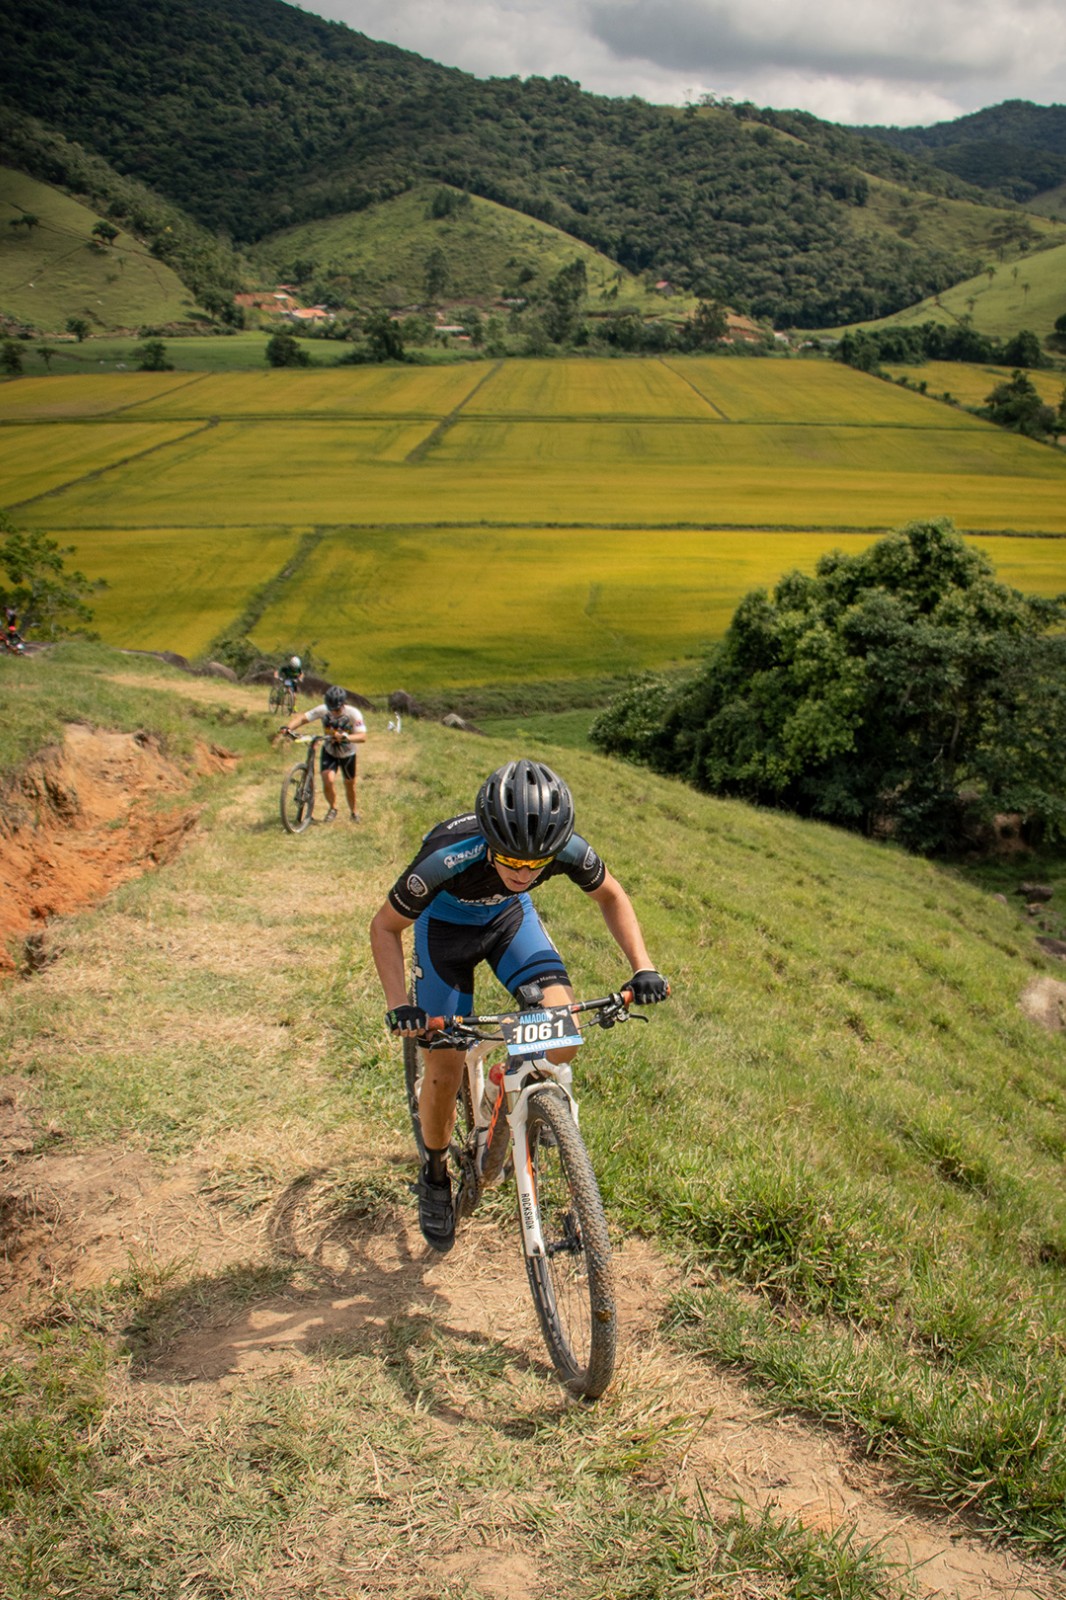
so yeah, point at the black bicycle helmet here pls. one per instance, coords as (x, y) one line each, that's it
(336, 697)
(523, 809)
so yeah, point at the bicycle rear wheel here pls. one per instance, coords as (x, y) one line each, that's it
(297, 798)
(573, 1283)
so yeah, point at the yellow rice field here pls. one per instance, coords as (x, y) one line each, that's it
(971, 384)
(644, 498)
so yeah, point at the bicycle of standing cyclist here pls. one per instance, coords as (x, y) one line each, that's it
(298, 786)
(282, 698)
(521, 1105)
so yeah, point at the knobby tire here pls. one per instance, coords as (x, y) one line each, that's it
(573, 1286)
(297, 799)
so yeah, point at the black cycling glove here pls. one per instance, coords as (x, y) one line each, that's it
(648, 987)
(405, 1019)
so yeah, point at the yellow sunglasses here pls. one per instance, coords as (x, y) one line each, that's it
(517, 865)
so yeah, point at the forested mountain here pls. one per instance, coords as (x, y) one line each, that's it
(252, 116)
(1016, 148)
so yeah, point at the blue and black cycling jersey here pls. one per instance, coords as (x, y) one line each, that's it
(452, 874)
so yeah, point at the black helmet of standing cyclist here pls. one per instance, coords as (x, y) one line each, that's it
(336, 697)
(525, 810)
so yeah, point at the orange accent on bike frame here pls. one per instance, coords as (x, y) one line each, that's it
(495, 1116)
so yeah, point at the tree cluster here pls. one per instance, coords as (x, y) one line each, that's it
(1016, 404)
(868, 348)
(50, 600)
(901, 692)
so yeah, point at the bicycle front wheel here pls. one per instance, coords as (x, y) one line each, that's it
(290, 699)
(276, 699)
(573, 1282)
(297, 799)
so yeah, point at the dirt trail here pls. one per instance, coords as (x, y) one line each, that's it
(76, 1220)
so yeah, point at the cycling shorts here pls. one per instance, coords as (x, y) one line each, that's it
(345, 765)
(514, 944)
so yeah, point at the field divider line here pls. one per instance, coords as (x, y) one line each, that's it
(112, 466)
(270, 590)
(708, 403)
(430, 442)
(164, 394)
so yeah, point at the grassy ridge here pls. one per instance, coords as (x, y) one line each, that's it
(55, 270)
(1000, 301)
(489, 251)
(842, 1119)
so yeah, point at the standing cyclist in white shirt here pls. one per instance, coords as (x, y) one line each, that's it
(344, 728)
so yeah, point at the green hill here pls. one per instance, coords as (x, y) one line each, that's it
(267, 117)
(1015, 148)
(1002, 300)
(487, 251)
(56, 268)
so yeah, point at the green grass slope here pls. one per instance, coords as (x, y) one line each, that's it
(1001, 300)
(55, 270)
(378, 256)
(842, 1123)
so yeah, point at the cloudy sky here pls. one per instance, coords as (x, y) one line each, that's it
(852, 61)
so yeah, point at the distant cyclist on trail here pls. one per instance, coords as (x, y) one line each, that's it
(344, 729)
(467, 892)
(291, 673)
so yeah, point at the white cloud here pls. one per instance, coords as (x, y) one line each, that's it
(901, 61)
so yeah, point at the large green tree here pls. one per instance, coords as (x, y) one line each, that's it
(50, 600)
(283, 349)
(902, 690)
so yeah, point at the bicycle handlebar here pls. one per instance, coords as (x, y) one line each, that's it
(612, 1005)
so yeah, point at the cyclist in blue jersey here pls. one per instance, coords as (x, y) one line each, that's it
(467, 893)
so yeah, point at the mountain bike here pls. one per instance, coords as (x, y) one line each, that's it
(282, 699)
(519, 1114)
(298, 787)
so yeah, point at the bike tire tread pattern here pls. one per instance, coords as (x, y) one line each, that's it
(588, 1377)
(295, 815)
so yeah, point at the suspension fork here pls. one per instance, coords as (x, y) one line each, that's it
(552, 1076)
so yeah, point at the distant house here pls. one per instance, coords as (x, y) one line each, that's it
(310, 314)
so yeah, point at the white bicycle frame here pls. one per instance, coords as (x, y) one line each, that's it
(522, 1078)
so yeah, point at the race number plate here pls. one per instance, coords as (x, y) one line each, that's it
(533, 1032)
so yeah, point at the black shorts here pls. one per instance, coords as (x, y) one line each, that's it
(345, 765)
